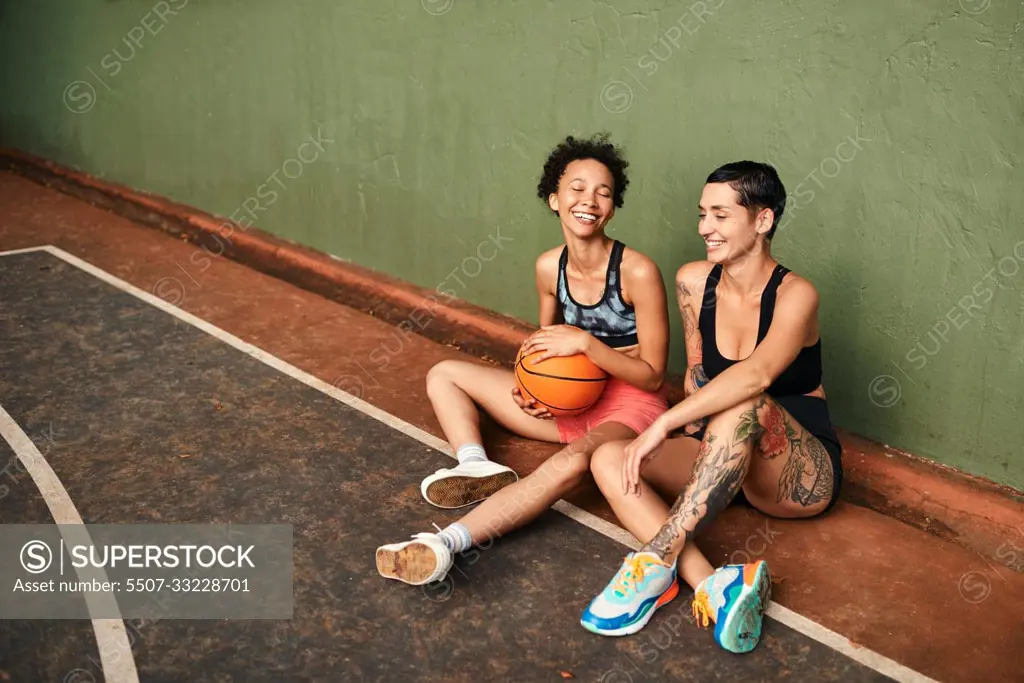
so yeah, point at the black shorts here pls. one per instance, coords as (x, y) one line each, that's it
(812, 414)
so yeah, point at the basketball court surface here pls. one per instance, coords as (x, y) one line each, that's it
(144, 413)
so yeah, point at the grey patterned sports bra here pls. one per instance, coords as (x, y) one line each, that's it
(611, 319)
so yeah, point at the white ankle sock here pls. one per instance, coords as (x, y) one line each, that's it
(470, 451)
(456, 537)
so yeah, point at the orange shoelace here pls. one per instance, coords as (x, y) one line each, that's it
(631, 574)
(702, 608)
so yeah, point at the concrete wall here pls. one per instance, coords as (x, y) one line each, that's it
(417, 131)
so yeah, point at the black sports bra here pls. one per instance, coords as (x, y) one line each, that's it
(611, 319)
(801, 377)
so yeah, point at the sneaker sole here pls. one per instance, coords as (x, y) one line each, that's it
(641, 620)
(741, 631)
(414, 564)
(459, 491)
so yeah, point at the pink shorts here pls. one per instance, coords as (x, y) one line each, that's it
(620, 402)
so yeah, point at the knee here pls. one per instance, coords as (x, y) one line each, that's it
(732, 415)
(569, 464)
(606, 463)
(443, 374)
(558, 474)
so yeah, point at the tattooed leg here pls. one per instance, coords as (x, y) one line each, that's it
(792, 475)
(718, 473)
(807, 475)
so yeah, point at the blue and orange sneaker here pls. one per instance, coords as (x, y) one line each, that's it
(643, 584)
(735, 598)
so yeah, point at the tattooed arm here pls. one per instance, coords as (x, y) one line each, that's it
(793, 324)
(689, 285)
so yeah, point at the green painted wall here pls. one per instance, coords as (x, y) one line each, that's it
(896, 125)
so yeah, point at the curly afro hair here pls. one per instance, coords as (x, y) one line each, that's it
(571, 149)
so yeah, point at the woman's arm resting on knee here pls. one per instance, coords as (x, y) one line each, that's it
(793, 322)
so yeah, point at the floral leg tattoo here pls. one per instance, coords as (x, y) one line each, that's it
(807, 475)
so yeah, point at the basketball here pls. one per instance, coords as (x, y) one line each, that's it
(565, 386)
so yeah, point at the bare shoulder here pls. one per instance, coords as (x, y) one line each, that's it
(691, 277)
(795, 290)
(546, 267)
(639, 269)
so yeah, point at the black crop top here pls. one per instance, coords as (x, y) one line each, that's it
(611, 319)
(801, 377)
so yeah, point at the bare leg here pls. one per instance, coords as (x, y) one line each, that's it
(756, 445)
(644, 515)
(792, 476)
(457, 388)
(428, 558)
(522, 502)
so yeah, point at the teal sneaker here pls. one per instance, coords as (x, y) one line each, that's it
(643, 584)
(735, 598)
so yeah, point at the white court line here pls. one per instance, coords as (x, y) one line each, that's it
(811, 629)
(111, 638)
(26, 250)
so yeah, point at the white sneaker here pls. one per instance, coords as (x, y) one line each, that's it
(643, 584)
(423, 560)
(467, 483)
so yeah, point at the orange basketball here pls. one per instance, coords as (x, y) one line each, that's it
(565, 386)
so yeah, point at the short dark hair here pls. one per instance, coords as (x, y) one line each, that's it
(758, 186)
(598, 148)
